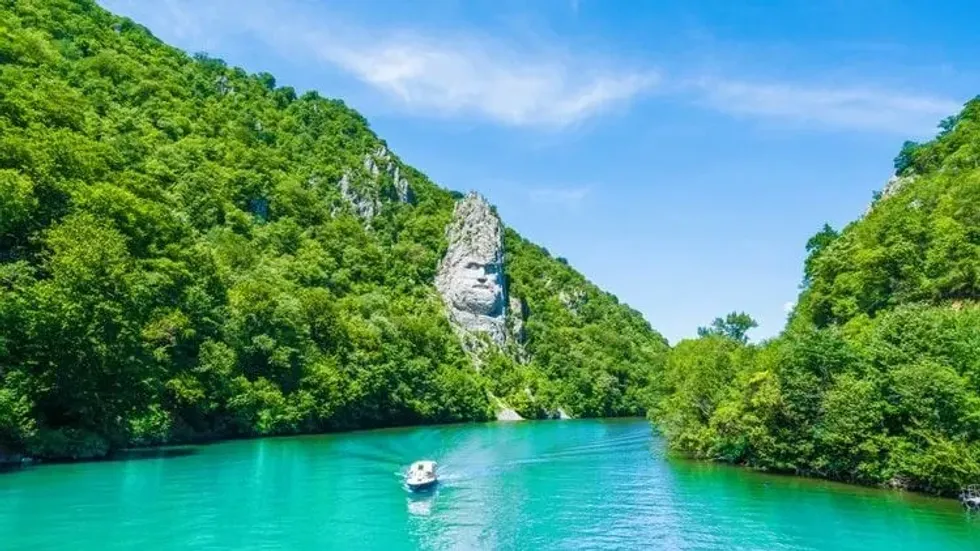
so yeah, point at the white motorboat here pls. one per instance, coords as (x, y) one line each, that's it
(421, 475)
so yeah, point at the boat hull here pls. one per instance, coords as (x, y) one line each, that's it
(421, 486)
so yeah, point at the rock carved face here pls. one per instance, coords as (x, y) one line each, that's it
(478, 286)
(470, 277)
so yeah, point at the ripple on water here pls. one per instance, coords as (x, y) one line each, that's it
(548, 485)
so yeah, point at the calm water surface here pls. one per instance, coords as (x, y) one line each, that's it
(547, 485)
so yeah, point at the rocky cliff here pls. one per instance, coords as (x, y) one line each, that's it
(365, 196)
(470, 278)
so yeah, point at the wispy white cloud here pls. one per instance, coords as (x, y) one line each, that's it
(568, 197)
(468, 76)
(457, 73)
(848, 107)
(788, 307)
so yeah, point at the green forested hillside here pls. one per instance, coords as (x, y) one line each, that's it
(572, 327)
(876, 378)
(178, 260)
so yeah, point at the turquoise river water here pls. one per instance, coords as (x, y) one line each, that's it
(534, 485)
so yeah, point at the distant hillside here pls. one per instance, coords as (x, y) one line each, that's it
(189, 251)
(876, 378)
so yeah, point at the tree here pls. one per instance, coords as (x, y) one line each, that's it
(734, 326)
(906, 157)
(814, 247)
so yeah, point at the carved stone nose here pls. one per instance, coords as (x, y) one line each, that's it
(482, 279)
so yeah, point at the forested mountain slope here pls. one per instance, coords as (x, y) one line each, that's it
(876, 378)
(189, 251)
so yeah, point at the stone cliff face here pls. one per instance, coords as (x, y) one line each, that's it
(365, 199)
(362, 203)
(470, 277)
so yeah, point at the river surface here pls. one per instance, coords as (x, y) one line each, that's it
(534, 485)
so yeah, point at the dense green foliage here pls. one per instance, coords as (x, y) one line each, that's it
(177, 261)
(876, 378)
(572, 328)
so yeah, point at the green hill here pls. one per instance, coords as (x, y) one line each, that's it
(876, 378)
(188, 252)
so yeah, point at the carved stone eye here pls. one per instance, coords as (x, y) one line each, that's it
(472, 265)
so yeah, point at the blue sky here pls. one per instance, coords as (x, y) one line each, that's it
(678, 153)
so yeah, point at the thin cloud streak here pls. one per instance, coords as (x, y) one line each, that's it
(464, 76)
(852, 108)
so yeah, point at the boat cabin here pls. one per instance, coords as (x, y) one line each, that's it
(424, 468)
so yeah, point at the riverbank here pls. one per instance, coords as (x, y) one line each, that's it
(10, 462)
(890, 486)
(884, 491)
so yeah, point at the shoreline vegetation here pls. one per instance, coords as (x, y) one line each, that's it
(875, 380)
(792, 479)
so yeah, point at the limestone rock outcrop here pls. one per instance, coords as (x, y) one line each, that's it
(362, 202)
(403, 192)
(892, 187)
(573, 300)
(381, 161)
(470, 276)
(517, 314)
(365, 199)
(508, 414)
